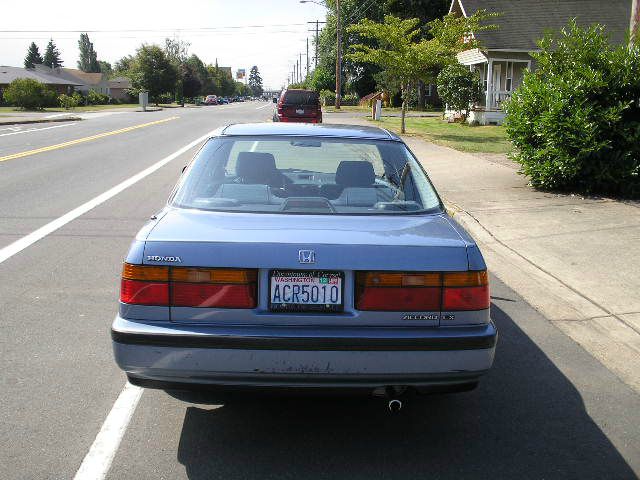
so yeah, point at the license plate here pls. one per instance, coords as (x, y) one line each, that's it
(300, 111)
(306, 291)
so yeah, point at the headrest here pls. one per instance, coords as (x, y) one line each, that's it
(355, 174)
(255, 167)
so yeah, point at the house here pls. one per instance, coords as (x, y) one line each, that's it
(86, 81)
(119, 88)
(505, 52)
(58, 84)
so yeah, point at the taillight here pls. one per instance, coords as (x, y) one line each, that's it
(465, 291)
(420, 291)
(188, 287)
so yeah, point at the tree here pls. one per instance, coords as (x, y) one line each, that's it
(459, 87)
(255, 81)
(406, 57)
(28, 94)
(105, 67)
(153, 72)
(123, 65)
(33, 57)
(575, 120)
(243, 90)
(199, 69)
(88, 61)
(52, 55)
(177, 51)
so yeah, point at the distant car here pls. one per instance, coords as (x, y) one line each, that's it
(211, 100)
(223, 100)
(304, 258)
(296, 105)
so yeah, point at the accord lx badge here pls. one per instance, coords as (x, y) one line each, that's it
(157, 258)
(306, 256)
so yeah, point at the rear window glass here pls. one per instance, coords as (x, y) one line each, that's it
(301, 98)
(306, 175)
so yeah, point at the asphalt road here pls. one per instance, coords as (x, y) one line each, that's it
(546, 410)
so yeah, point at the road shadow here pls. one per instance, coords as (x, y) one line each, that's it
(525, 421)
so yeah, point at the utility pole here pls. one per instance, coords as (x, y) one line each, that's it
(317, 33)
(307, 56)
(301, 79)
(338, 56)
(634, 26)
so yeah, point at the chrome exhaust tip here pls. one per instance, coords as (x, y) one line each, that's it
(395, 405)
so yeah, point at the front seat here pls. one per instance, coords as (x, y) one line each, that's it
(258, 168)
(350, 173)
(357, 181)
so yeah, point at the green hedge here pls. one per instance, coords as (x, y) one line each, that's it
(575, 121)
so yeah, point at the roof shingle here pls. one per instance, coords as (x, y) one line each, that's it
(523, 22)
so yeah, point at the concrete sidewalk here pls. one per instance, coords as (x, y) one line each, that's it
(575, 260)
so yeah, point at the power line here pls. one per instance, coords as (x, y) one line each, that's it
(168, 29)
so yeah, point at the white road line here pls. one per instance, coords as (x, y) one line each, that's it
(264, 106)
(35, 129)
(24, 242)
(97, 462)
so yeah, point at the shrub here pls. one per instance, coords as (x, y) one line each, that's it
(459, 88)
(29, 94)
(95, 98)
(575, 121)
(68, 101)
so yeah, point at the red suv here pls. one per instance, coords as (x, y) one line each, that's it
(298, 106)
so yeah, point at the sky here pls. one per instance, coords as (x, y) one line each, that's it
(238, 33)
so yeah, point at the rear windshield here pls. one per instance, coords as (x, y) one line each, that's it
(306, 175)
(301, 98)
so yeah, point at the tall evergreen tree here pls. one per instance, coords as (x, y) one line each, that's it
(52, 55)
(33, 56)
(255, 81)
(88, 61)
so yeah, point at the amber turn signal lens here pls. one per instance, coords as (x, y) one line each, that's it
(145, 273)
(466, 279)
(384, 279)
(213, 275)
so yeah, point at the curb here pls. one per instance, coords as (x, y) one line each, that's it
(44, 120)
(602, 334)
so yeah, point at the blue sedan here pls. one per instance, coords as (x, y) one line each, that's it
(304, 258)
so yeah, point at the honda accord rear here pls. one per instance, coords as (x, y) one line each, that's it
(304, 258)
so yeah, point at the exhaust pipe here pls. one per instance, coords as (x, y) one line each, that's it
(395, 405)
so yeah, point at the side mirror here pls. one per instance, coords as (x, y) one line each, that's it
(275, 100)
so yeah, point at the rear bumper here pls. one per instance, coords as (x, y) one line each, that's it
(327, 359)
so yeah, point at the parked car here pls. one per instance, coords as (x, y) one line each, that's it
(211, 100)
(296, 105)
(304, 258)
(223, 100)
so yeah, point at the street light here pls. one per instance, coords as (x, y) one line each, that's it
(338, 49)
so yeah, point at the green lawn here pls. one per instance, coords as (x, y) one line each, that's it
(88, 108)
(463, 137)
(367, 110)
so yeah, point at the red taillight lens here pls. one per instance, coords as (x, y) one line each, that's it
(420, 291)
(189, 287)
(144, 293)
(219, 296)
(466, 298)
(408, 292)
(400, 299)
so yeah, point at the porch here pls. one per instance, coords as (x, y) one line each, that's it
(500, 74)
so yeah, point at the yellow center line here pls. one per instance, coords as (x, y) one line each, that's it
(82, 140)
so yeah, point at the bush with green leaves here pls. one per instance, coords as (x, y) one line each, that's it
(29, 94)
(68, 101)
(96, 98)
(459, 88)
(575, 120)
